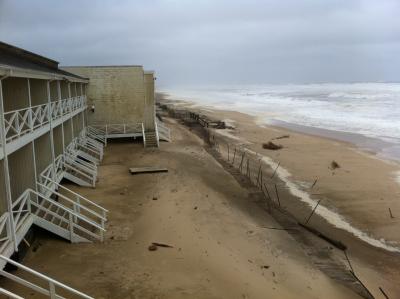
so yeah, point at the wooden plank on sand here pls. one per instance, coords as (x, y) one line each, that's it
(147, 169)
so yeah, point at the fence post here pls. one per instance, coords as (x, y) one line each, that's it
(241, 162)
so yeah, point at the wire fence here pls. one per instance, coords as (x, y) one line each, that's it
(261, 173)
(253, 166)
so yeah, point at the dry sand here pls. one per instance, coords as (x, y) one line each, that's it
(220, 249)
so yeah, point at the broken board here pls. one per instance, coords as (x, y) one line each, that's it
(147, 169)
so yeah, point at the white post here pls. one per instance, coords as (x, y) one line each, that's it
(72, 122)
(51, 131)
(33, 141)
(6, 170)
(62, 123)
(52, 290)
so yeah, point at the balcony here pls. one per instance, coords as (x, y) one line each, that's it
(24, 125)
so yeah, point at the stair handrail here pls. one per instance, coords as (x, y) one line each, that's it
(97, 130)
(91, 166)
(77, 207)
(70, 211)
(144, 136)
(77, 170)
(86, 146)
(163, 129)
(103, 210)
(52, 282)
(90, 145)
(157, 137)
(93, 143)
(9, 294)
(5, 226)
(100, 139)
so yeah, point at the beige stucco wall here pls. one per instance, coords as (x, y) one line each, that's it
(118, 94)
(150, 112)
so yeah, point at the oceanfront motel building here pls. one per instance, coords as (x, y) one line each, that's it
(54, 125)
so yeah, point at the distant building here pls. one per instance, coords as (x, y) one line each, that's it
(121, 100)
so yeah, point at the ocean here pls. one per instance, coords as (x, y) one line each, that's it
(371, 110)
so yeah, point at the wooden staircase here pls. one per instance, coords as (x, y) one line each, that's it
(151, 139)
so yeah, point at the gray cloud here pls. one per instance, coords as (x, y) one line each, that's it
(225, 41)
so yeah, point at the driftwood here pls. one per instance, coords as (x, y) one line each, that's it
(148, 169)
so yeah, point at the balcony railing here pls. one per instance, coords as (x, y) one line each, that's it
(126, 129)
(20, 122)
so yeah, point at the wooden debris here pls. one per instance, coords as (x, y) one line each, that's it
(334, 165)
(147, 169)
(162, 245)
(390, 212)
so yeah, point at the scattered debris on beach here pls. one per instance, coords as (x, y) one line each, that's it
(154, 246)
(390, 213)
(272, 146)
(281, 137)
(149, 169)
(334, 165)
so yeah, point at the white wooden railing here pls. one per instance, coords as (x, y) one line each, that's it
(96, 134)
(18, 123)
(21, 209)
(52, 284)
(77, 202)
(5, 231)
(119, 129)
(144, 136)
(164, 133)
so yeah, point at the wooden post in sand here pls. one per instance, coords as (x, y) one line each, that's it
(227, 144)
(309, 217)
(259, 175)
(279, 163)
(248, 169)
(241, 162)
(267, 198)
(266, 189)
(234, 156)
(277, 195)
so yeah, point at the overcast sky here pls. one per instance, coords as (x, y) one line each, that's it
(216, 41)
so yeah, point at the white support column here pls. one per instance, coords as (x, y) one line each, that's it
(51, 130)
(6, 170)
(83, 112)
(72, 123)
(62, 124)
(33, 141)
